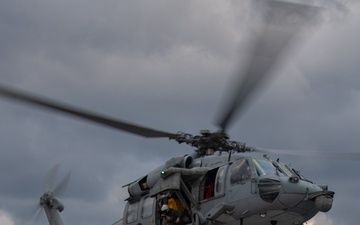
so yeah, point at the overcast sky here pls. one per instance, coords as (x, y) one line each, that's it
(166, 65)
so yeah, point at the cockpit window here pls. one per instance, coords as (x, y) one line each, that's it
(264, 167)
(240, 171)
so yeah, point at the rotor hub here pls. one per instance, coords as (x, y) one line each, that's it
(46, 199)
(217, 141)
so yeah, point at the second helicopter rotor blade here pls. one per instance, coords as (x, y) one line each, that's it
(283, 22)
(22, 96)
(32, 215)
(62, 186)
(50, 178)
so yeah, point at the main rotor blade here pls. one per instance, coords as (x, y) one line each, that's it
(80, 113)
(283, 21)
(319, 154)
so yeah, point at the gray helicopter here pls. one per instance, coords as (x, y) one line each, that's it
(221, 182)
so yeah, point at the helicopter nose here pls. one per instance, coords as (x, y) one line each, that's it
(297, 191)
(323, 203)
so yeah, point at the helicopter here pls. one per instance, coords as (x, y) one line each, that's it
(270, 192)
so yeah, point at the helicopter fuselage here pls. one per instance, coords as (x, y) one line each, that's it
(219, 189)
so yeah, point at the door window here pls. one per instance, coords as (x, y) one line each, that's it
(132, 212)
(240, 171)
(147, 207)
(220, 181)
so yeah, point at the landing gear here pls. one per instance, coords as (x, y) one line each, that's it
(273, 222)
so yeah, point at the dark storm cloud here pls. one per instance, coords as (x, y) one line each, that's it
(46, 46)
(162, 64)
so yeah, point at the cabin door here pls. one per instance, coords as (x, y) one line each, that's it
(212, 188)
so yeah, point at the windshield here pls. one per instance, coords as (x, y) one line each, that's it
(267, 167)
(264, 167)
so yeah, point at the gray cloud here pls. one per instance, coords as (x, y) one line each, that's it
(164, 65)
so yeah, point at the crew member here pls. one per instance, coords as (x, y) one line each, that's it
(172, 217)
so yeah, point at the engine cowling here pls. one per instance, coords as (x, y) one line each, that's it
(142, 185)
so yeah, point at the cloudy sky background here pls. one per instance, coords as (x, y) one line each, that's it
(164, 65)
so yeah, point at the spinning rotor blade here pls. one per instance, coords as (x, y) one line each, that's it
(50, 178)
(319, 154)
(31, 214)
(283, 21)
(80, 113)
(62, 186)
